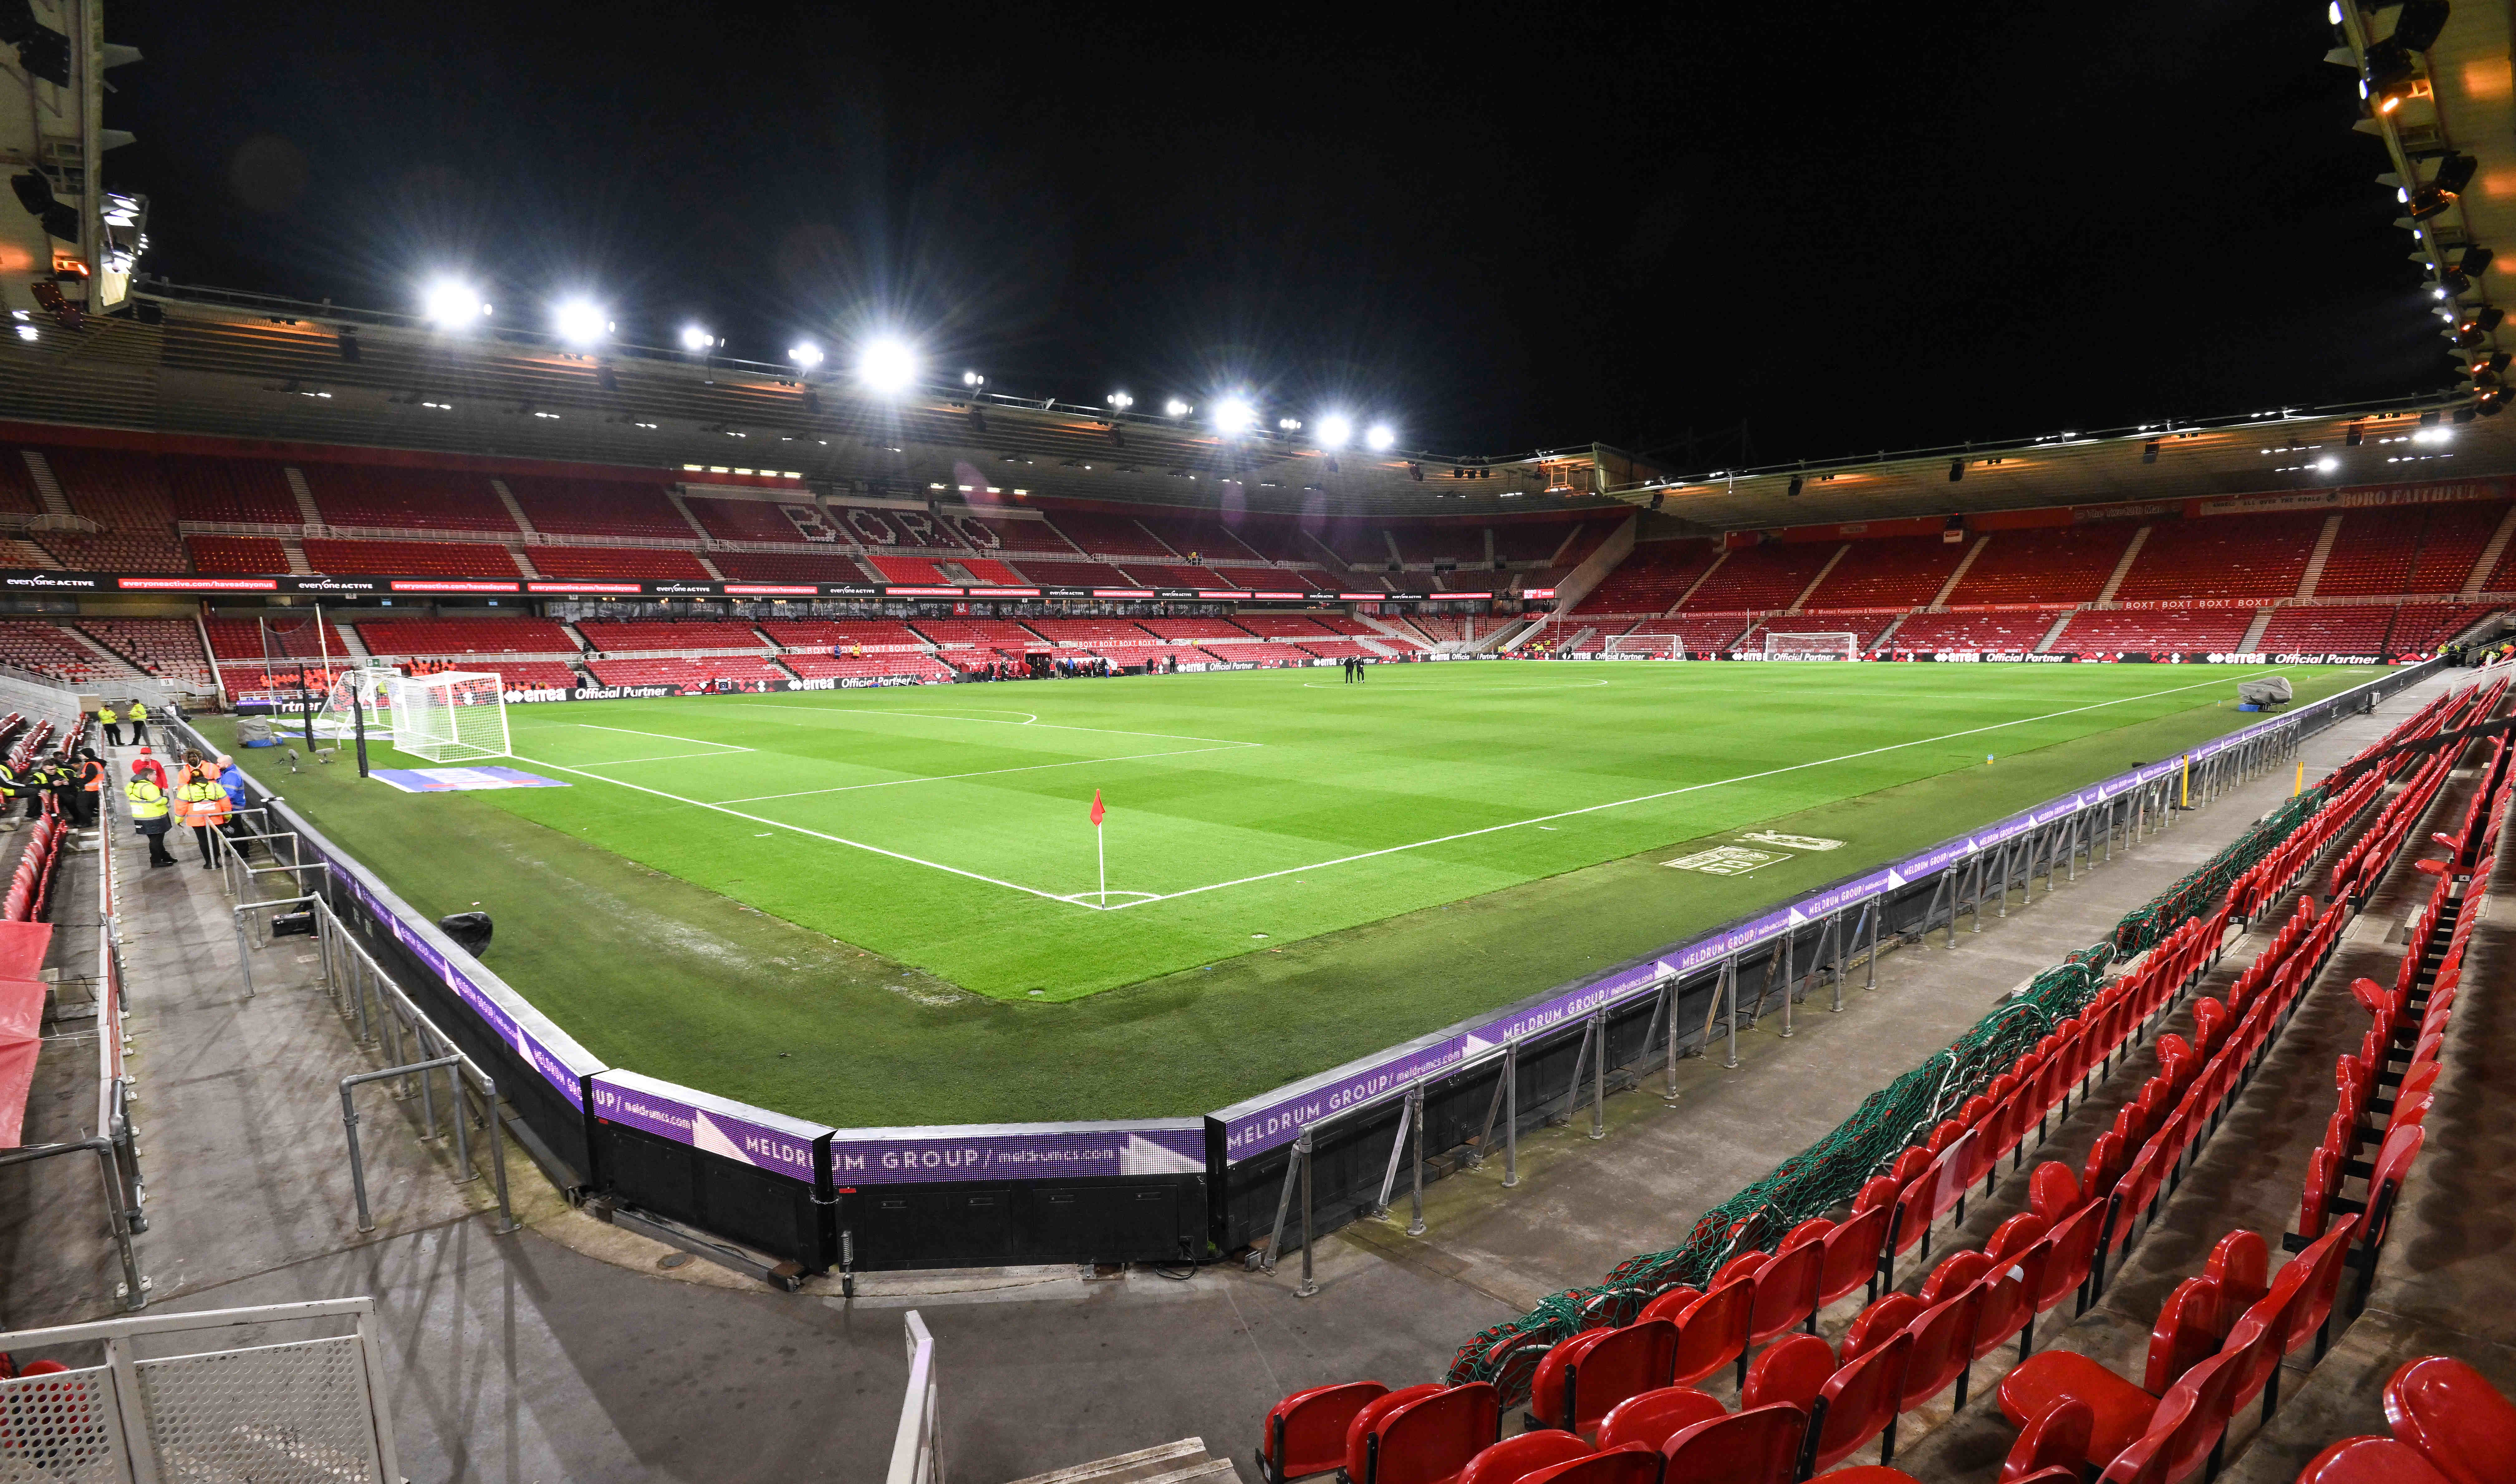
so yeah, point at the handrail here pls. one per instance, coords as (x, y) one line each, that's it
(134, 1292)
(916, 1458)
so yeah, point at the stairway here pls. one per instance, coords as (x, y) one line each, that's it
(2487, 562)
(2252, 642)
(2123, 568)
(2314, 572)
(524, 562)
(514, 512)
(1819, 581)
(692, 521)
(1957, 576)
(2045, 646)
(351, 641)
(56, 503)
(113, 660)
(1179, 1462)
(1699, 582)
(295, 551)
(709, 567)
(1886, 636)
(305, 506)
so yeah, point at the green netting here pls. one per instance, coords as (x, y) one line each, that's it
(2203, 891)
(1830, 1172)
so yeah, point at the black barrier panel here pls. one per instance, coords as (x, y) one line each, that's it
(1152, 1218)
(760, 1208)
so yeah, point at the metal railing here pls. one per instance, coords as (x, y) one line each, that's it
(379, 1013)
(244, 1409)
(917, 1449)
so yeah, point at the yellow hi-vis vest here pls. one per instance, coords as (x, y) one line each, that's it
(138, 713)
(106, 717)
(148, 799)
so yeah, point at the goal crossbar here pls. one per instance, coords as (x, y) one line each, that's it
(1660, 645)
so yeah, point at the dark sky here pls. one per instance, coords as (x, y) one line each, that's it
(1848, 227)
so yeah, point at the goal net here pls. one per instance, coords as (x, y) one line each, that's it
(457, 716)
(1812, 647)
(372, 687)
(1658, 646)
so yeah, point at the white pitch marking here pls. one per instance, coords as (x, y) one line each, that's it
(938, 716)
(1672, 793)
(1489, 689)
(849, 788)
(667, 736)
(836, 840)
(667, 757)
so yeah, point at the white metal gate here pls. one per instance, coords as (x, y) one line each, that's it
(295, 1411)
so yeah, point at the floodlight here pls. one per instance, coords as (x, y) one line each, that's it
(2328, 464)
(1120, 401)
(805, 353)
(1234, 415)
(2332, 13)
(28, 332)
(1177, 408)
(973, 378)
(696, 339)
(580, 322)
(887, 364)
(1336, 430)
(1381, 438)
(2433, 436)
(1288, 425)
(452, 305)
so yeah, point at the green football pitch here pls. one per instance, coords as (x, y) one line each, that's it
(887, 906)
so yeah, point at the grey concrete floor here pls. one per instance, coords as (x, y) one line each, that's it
(563, 1352)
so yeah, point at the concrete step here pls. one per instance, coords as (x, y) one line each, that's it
(305, 506)
(1176, 1463)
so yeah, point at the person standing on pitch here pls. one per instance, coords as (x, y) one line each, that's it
(149, 812)
(113, 723)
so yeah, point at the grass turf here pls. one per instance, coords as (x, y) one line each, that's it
(1437, 840)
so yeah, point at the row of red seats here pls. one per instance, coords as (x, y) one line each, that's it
(2449, 1426)
(33, 881)
(2361, 867)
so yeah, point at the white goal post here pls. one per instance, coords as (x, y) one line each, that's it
(372, 686)
(1658, 646)
(1812, 647)
(459, 715)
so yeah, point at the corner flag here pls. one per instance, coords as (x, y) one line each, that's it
(1100, 851)
(1097, 809)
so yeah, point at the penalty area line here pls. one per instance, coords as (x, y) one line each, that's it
(991, 772)
(836, 840)
(939, 716)
(1691, 788)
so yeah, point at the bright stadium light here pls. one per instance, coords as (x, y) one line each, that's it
(580, 322)
(1177, 408)
(1336, 430)
(888, 365)
(451, 304)
(805, 353)
(2328, 464)
(1120, 401)
(2433, 436)
(1382, 437)
(696, 339)
(973, 380)
(1234, 415)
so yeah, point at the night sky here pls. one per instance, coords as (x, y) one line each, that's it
(1848, 229)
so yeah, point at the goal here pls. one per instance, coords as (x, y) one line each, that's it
(457, 716)
(372, 686)
(1653, 646)
(1812, 647)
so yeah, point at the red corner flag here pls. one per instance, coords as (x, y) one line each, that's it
(1097, 811)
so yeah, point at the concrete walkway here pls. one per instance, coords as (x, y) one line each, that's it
(565, 1352)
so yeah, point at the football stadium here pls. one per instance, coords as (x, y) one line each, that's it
(627, 873)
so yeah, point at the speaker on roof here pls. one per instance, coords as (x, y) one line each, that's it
(2416, 28)
(1956, 469)
(2455, 172)
(2475, 261)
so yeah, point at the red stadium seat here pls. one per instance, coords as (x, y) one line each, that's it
(1632, 1464)
(1713, 1334)
(1429, 1440)
(1516, 1458)
(2058, 1435)
(1858, 1403)
(2372, 1461)
(1361, 1432)
(1852, 1254)
(2453, 1415)
(1654, 1417)
(1305, 1432)
(1942, 1348)
(1758, 1447)
(1581, 1379)
(1786, 1290)
(1789, 1374)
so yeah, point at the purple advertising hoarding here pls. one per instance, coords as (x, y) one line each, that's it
(753, 1136)
(1017, 1152)
(1274, 1118)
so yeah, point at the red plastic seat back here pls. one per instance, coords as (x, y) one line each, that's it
(1654, 1417)
(1516, 1458)
(1861, 1400)
(1713, 1334)
(1547, 1387)
(2190, 1324)
(2372, 1461)
(1789, 1374)
(2201, 1405)
(1852, 1254)
(2009, 1298)
(1367, 1423)
(2452, 1414)
(1626, 1363)
(1429, 1440)
(2241, 1264)
(1956, 1272)
(1761, 1446)
(2108, 1159)
(1671, 1305)
(2053, 1191)
(1942, 1346)
(1306, 1431)
(2058, 1435)
(1786, 1292)
(2073, 1251)
(1879, 1323)
(1632, 1464)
